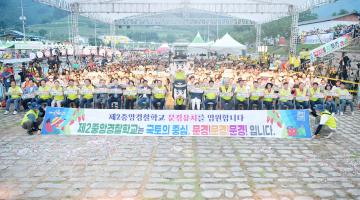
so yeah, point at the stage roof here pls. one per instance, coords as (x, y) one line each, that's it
(258, 11)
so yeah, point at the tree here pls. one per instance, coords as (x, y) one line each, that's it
(334, 14)
(58, 14)
(45, 20)
(2, 25)
(343, 12)
(280, 27)
(2, 4)
(170, 38)
(307, 15)
(42, 32)
(152, 36)
(99, 42)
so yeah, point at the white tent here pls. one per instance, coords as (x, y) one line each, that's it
(228, 45)
(29, 45)
(198, 46)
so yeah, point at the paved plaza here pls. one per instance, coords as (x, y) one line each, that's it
(115, 167)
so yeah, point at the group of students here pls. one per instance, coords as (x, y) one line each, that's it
(243, 95)
(104, 95)
(269, 96)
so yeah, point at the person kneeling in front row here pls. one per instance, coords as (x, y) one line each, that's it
(32, 119)
(327, 122)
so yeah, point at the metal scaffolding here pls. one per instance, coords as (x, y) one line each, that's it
(112, 33)
(294, 30)
(173, 21)
(249, 12)
(75, 27)
(156, 7)
(258, 36)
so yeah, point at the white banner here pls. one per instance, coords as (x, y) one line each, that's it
(249, 123)
(330, 47)
(318, 39)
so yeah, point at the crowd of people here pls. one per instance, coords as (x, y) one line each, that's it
(338, 31)
(139, 83)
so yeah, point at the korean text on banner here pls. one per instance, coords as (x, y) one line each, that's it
(330, 47)
(249, 123)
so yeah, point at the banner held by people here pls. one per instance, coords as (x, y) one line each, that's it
(261, 123)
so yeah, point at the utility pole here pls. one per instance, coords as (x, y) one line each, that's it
(208, 32)
(217, 28)
(69, 27)
(23, 19)
(95, 35)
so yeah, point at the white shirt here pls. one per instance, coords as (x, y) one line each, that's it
(324, 119)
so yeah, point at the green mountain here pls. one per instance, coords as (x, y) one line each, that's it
(54, 24)
(35, 13)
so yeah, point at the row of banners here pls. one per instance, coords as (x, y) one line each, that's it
(330, 47)
(247, 123)
(318, 39)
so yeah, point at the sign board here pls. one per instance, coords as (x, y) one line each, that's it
(221, 123)
(318, 39)
(330, 47)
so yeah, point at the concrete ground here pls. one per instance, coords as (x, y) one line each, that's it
(114, 167)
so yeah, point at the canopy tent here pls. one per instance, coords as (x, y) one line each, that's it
(164, 48)
(198, 46)
(29, 45)
(117, 39)
(228, 45)
(14, 61)
(6, 45)
(198, 39)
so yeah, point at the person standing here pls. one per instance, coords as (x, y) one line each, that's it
(7, 76)
(344, 64)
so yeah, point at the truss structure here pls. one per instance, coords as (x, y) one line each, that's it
(294, 31)
(174, 21)
(258, 36)
(147, 12)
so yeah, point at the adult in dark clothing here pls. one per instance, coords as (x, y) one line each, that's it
(344, 64)
(333, 74)
(23, 73)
